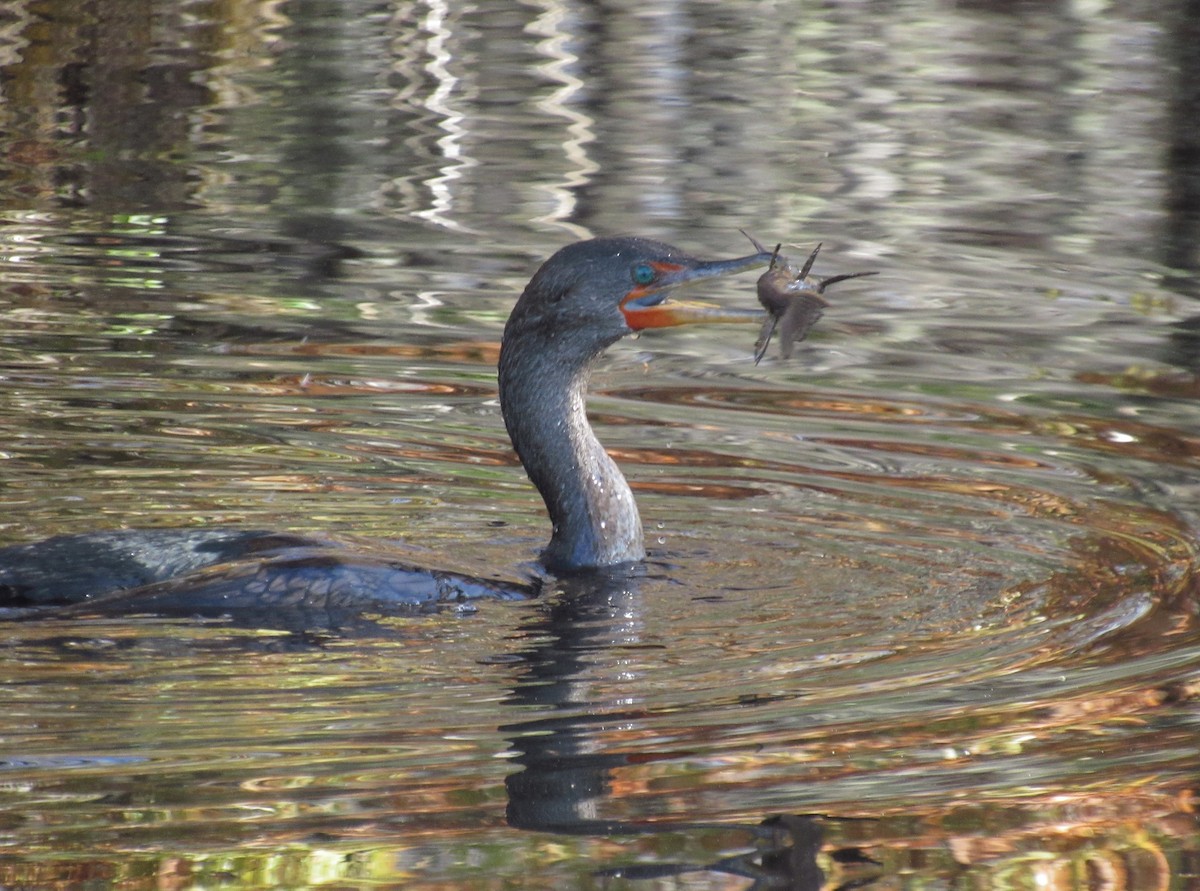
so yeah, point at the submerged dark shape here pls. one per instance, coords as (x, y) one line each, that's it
(315, 582)
(792, 298)
(586, 297)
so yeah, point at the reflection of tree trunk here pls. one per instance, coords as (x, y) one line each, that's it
(1181, 172)
(108, 99)
(1182, 163)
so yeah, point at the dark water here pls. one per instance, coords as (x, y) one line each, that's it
(921, 609)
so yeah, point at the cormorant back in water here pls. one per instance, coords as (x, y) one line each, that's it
(584, 298)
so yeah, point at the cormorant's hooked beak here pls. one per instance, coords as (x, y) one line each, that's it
(643, 306)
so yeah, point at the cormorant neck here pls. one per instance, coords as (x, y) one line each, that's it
(543, 387)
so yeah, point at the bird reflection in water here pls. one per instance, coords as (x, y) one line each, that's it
(580, 639)
(784, 858)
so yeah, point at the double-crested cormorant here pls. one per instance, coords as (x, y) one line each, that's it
(585, 297)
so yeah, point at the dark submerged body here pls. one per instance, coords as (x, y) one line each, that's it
(213, 572)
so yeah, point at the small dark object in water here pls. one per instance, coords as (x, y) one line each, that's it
(792, 299)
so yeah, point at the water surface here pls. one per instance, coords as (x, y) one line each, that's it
(921, 602)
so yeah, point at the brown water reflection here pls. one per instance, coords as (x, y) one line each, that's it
(921, 606)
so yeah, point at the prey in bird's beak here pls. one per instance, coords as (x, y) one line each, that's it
(792, 298)
(644, 305)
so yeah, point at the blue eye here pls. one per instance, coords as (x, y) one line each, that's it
(644, 273)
